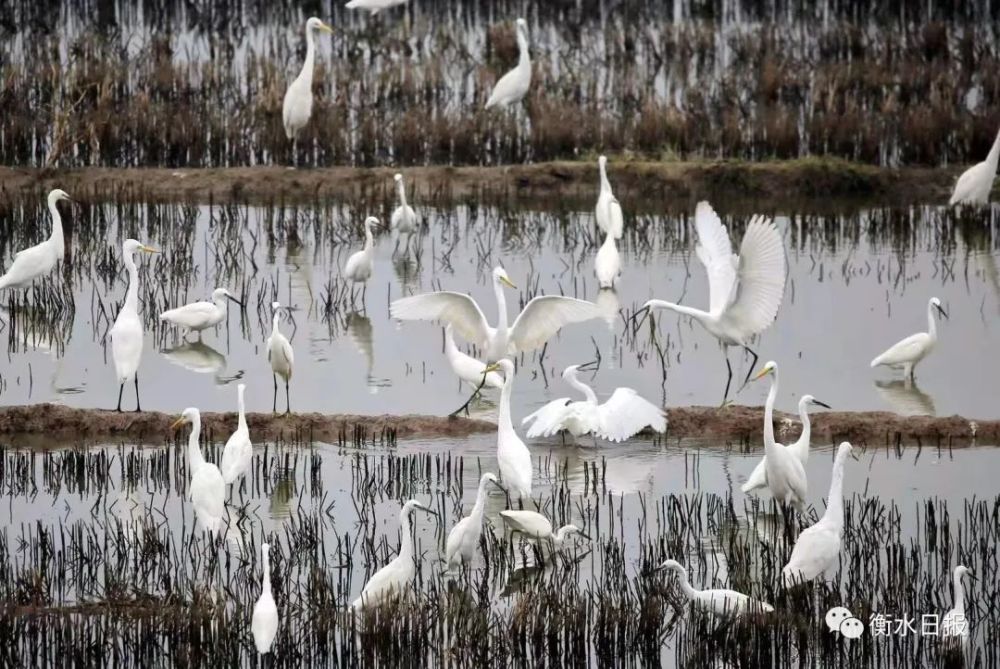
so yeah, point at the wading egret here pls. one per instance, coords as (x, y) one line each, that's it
(608, 211)
(622, 416)
(264, 624)
(537, 527)
(786, 477)
(208, 488)
(280, 355)
(607, 263)
(374, 6)
(297, 107)
(465, 366)
(396, 576)
(745, 291)
(39, 259)
(126, 333)
(238, 453)
(513, 456)
(908, 352)
(800, 449)
(463, 540)
(202, 315)
(359, 266)
(719, 602)
(954, 624)
(818, 547)
(975, 184)
(514, 85)
(540, 319)
(404, 219)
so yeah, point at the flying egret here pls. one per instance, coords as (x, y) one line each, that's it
(514, 85)
(513, 456)
(954, 625)
(800, 449)
(396, 576)
(537, 527)
(540, 319)
(719, 602)
(465, 366)
(297, 107)
(264, 624)
(975, 184)
(374, 6)
(818, 547)
(40, 259)
(404, 219)
(280, 355)
(463, 540)
(745, 291)
(359, 266)
(607, 263)
(238, 453)
(622, 416)
(786, 477)
(202, 315)
(908, 352)
(608, 211)
(126, 333)
(208, 488)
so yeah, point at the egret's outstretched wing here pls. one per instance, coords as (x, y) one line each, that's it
(456, 308)
(544, 316)
(616, 221)
(715, 252)
(548, 420)
(760, 279)
(625, 414)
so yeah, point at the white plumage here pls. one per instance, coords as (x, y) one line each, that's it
(465, 366)
(126, 333)
(513, 456)
(280, 355)
(719, 602)
(264, 624)
(608, 211)
(514, 85)
(785, 475)
(607, 263)
(208, 489)
(404, 219)
(622, 416)
(297, 106)
(238, 453)
(537, 527)
(800, 449)
(907, 353)
(975, 184)
(40, 259)
(202, 315)
(374, 6)
(463, 540)
(359, 266)
(954, 624)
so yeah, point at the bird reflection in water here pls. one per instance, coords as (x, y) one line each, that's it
(906, 398)
(200, 358)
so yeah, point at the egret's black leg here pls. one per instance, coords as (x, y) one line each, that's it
(729, 379)
(136, 379)
(274, 407)
(121, 389)
(752, 364)
(288, 405)
(465, 407)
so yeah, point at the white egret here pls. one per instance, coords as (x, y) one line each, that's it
(201, 315)
(463, 540)
(537, 527)
(745, 291)
(404, 219)
(280, 355)
(238, 453)
(513, 456)
(908, 352)
(608, 211)
(720, 602)
(954, 625)
(297, 106)
(975, 184)
(208, 488)
(622, 416)
(818, 547)
(395, 577)
(40, 259)
(359, 266)
(465, 366)
(800, 449)
(513, 86)
(126, 333)
(540, 319)
(264, 624)
(607, 262)
(374, 6)
(786, 477)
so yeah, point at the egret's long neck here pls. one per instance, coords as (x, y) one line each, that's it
(401, 191)
(406, 540)
(132, 294)
(835, 503)
(243, 416)
(561, 535)
(57, 231)
(573, 381)
(307, 67)
(501, 307)
(994, 155)
(194, 450)
(369, 240)
(681, 309)
(222, 303)
(503, 419)
(480, 508)
(690, 592)
(267, 574)
(931, 321)
(524, 58)
(806, 425)
(605, 184)
(450, 348)
(274, 323)
(772, 395)
(959, 593)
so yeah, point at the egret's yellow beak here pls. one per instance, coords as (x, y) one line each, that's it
(177, 423)
(325, 28)
(495, 367)
(764, 372)
(507, 282)
(148, 249)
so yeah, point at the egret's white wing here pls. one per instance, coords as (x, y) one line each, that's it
(453, 546)
(906, 350)
(625, 413)
(196, 312)
(760, 278)
(616, 220)
(264, 624)
(815, 551)
(548, 420)
(544, 316)
(715, 252)
(456, 308)
(966, 186)
(126, 345)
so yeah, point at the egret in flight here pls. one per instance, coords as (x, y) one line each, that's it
(202, 315)
(513, 456)
(297, 107)
(622, 416)
(238, 453)
(540, 319)
(908, 352)
(463, 540)
(537, 527)
(785, 475)
(280, 355)
(719, 602)
(126, 333)
(608, 211)
(465, 366)
(264, 624)
(975, 184)
(208, 488)
(40, 259)
(745, 291)
(954, 624)
(514, 85)
(800, 449)
(374, 6)
(359, 266)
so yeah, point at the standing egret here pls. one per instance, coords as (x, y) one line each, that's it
(537, 527)
(975, 184)
(786, 477)
(719, 602)
(758, 478)
(514, 85)
(126, 333)
(745, 291)
(622, 416)
(513, 456)
(297, 107)
(40, 259)
(280, 355)
(954, 625)
(264, 624)
(463, 540)
(540, 319)
(608, 211)
(465, 366)
(238, 453)
(404, 219)
(359, 266)
(908, 352)
(202, 315)
(208, 488)
(374, 6)
(818, 547)
(607, 263)
(395, 577)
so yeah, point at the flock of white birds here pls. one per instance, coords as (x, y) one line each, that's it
(745, 293)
